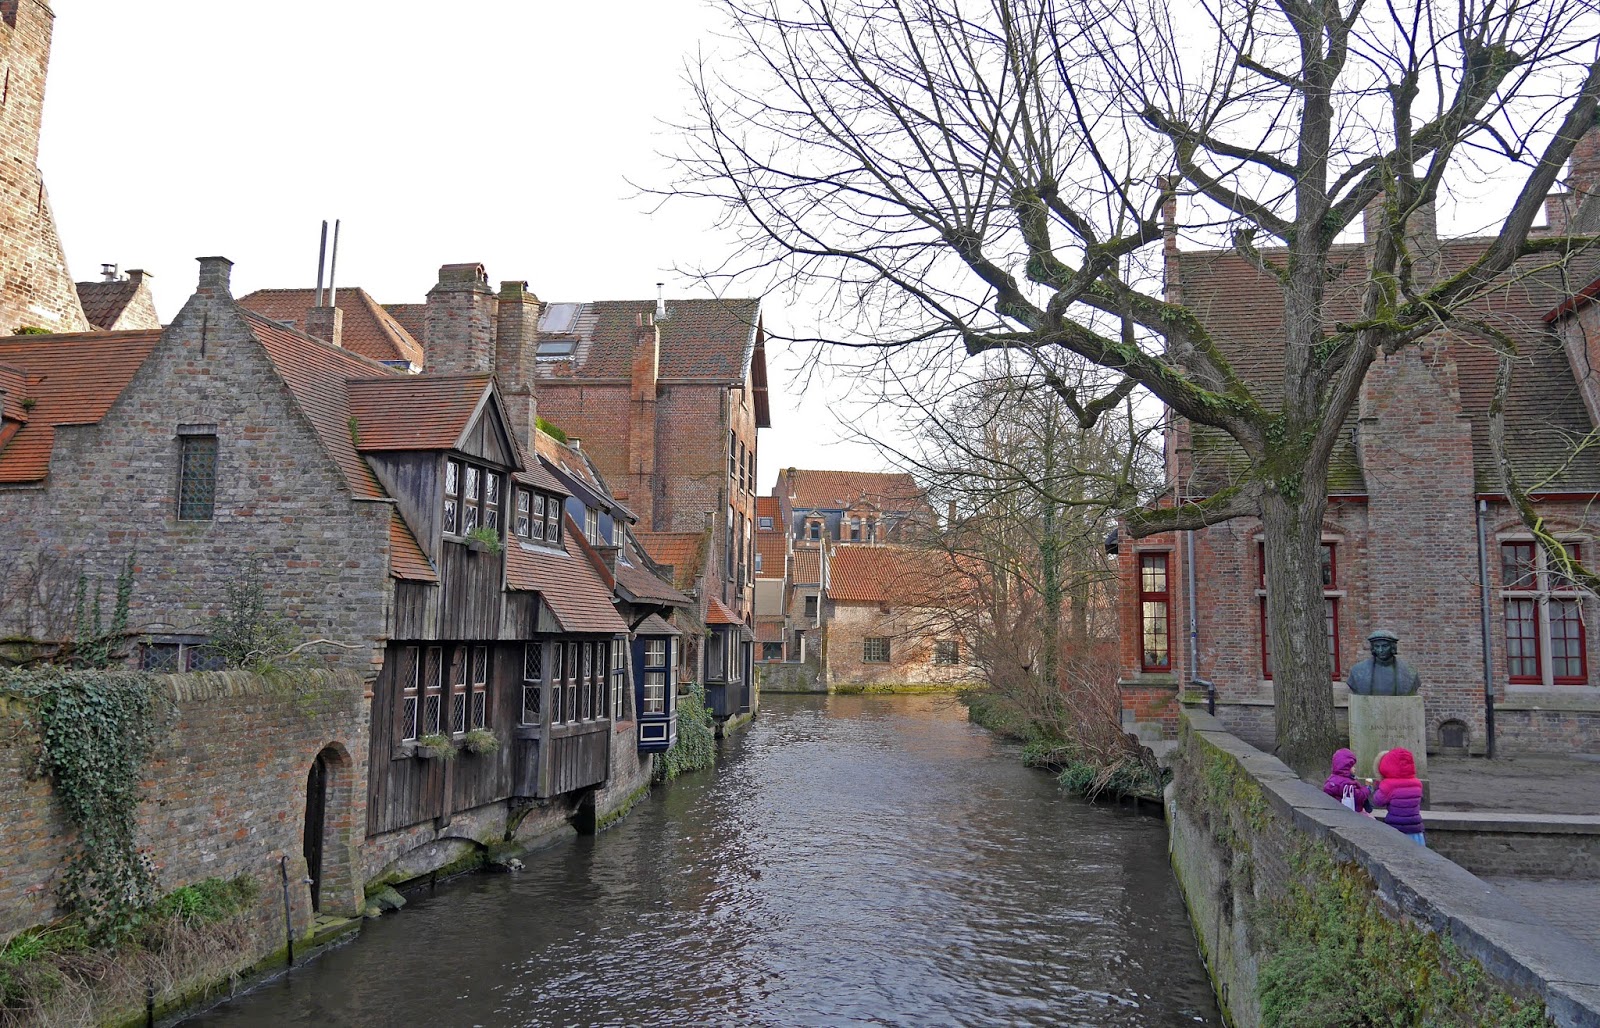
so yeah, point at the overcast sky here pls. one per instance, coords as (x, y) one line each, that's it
(499, 131)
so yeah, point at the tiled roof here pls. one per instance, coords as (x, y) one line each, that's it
(886, 574)
(316, 373)
(806, 566)
(414, 412)
(571, 461)
(1544, 412)
(539, 477)
(13, 391)
(773, 547)
(704, 339)
(769, 507)
(717, 613)
(569, 585)
(413, 317)
(105, 302)
(683, 551)
(368, 329)
(656, 625)
(838, 490)
(644, 585)
(406, 559)
(72, 379)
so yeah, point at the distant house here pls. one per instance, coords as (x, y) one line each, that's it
(119, 303)
(1418, 537)
(885, 623)
(772, 580)
(865, 507)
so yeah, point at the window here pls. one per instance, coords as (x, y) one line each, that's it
(811, 607)
(591, 524)
(552, 519)
(875, 650)
(432, 690)
(758, 562)
(1545, 641)
(523, 526)
(764, 523)
(771, 651)
(197, 473)
(557, 683)
(814, 528)
(855, 530)
(946, 652)
(480, 687)
(1330, 583)
(655, 676)
(458, 690)
(1155, 613)
(408, 677)
(619, 702)
(532, 676)
(174, 656)
(472, 497)
(556, 346)
(733, 461)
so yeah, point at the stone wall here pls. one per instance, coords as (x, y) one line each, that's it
(804, 677)
(911, 648)
(1565, 846)
(225, 795)
(1246, 834)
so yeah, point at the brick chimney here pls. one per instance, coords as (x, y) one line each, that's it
(516, 351)
(461, 322)
(1583, 179)
(325, 323)
(645, 377)
(215, 276)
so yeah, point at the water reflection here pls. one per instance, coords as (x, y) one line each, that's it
(852, 861)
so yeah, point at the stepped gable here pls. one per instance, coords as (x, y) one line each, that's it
(831, 490)
(1545, 415)
(709, 340)
(368, 328)
(56, 380)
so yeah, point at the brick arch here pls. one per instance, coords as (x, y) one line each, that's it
(1555, 524)
(340, 889)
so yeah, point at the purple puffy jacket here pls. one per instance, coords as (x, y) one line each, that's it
(1344, 767)
(1400, 791)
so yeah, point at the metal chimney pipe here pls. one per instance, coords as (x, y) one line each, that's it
(322, 255)
(333, 266)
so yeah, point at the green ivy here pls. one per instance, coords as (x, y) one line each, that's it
(696, 748)
(95, 645)
(97, 729)
(246, 632)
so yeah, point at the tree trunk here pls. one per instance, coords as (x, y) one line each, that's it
(1307, 729)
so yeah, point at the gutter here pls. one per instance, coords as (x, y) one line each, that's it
(1483, 609)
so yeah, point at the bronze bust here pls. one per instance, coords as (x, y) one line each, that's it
(1383, 673)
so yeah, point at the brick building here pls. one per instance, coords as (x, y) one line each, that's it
(883, 623)
(36, 289)
(871, 507)
(1416, 518)
(401, 523)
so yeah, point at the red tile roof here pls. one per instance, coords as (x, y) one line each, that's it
(406, 559)
(568, 584)
(769, 507)
(414, 412)
(683, 551)
(368, 329)
(13, 391)
(644, 585)
(717, 613)
(701, 339)
(72, 379)
(773, 548)
(838, 490)
(806, 566)
(879, 574)
(104, 303)
(413, 317)
(316, 373)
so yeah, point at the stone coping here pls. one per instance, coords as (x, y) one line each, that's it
(1512, 943)
(1503, 822)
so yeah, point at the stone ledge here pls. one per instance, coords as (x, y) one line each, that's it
(1498, 822)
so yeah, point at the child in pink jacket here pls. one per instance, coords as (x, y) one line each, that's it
(1343, 780)
(1401, 792)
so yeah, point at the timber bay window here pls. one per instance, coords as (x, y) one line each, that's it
(586, 684)
(473, 497)
(619, 701)
(1330, 599)
(655, 676)
(875, 650)
(532, 676)
(1155, 612)
(1545, 641)
(197, 472)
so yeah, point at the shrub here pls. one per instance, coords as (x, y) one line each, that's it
(696, 748)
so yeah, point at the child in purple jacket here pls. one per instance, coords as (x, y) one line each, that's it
(1344, 778)
(1401, 792)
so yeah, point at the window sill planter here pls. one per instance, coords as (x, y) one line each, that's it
(481, 741)
(433, 747)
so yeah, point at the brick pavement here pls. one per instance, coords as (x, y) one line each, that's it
(1570, 907)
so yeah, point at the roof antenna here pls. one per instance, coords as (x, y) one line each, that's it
(333, 265)
(322, 254)
(661, 302)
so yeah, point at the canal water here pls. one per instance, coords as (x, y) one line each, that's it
(851, 861)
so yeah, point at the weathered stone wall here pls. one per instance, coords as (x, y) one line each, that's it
(225, 794)
(1565, 846)
(911, 648)
(806, 676)
(1240, 827)
(279, 498)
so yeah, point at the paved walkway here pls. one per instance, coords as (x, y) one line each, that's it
(1570, 907)
(1528, 785)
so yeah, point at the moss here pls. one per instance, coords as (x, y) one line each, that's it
(621, 810)
(893, 689)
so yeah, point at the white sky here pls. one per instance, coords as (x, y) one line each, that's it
(498, 131)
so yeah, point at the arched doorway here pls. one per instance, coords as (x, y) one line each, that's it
(316, 822)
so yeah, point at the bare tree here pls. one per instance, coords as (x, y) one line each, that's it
(992, 175)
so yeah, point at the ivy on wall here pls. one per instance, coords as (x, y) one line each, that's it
(96, 730)
(696, 747)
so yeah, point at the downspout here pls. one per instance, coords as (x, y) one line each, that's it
(1194, 626)
(1488, 666)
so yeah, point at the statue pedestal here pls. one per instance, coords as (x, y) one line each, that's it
(1379, 723)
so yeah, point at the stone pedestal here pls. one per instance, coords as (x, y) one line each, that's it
(1379, 723)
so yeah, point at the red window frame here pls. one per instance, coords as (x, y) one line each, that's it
(1147, 597)
(1536, 615)
(1330, 581)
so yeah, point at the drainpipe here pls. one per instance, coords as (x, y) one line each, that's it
(288, 923)
(1194, 628)
(1488, 667)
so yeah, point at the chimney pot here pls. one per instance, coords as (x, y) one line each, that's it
(108, 272)
(137, 275)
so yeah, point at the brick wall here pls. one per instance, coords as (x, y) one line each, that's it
(35, 286)
(225, 794)
(911, 648)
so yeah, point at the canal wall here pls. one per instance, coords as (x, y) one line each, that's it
(1305, 909)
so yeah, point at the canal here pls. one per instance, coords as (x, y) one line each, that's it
(852, 860)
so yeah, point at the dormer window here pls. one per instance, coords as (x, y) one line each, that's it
(538, 517)
(591, 525)
(472, 497)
